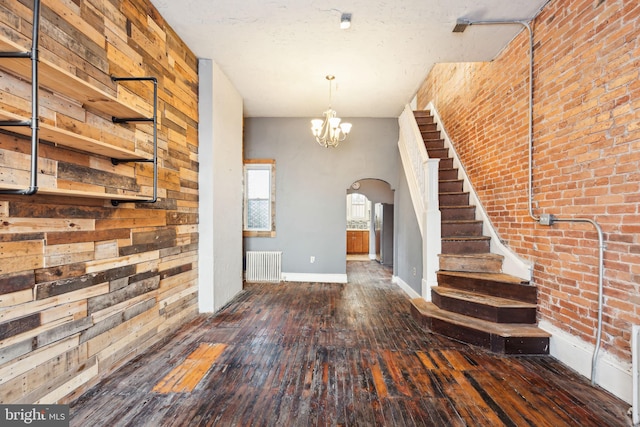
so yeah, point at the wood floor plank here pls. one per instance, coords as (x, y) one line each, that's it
(186, 376)
(323, 354)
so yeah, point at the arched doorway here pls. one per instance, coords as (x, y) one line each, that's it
(370, 220)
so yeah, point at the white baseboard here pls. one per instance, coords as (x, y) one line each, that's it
(405, 287)
(314, 277)
(612, 374)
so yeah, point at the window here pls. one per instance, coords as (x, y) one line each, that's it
(259, 198)
(358, 206)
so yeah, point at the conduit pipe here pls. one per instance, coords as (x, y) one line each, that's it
(548, 219)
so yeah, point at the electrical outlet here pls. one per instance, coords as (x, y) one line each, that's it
(312, 259)
(415, 271)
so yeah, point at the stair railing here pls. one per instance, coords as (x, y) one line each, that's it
(422, 177)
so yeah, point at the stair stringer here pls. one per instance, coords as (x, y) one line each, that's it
(513, 263)
(422, 179)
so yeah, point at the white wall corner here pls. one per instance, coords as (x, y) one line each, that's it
(219, 185)
(205, 185)
(405, 287)
(612, 373)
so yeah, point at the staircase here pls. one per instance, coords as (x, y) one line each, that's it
(474, 302)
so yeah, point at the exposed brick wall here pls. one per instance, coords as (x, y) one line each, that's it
(86, 286)
(586, 156)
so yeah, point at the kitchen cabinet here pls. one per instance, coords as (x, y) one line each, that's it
(357, 241)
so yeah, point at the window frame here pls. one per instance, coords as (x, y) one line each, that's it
(362, 205)
(259, 164)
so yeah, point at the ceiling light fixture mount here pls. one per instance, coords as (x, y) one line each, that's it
(330, 132)
(345, 21)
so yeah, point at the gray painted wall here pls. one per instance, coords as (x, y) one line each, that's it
(312, 182)
(408, 253)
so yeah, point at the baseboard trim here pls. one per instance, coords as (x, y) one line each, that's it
(314, 277)
(405, 287)
(612, 374)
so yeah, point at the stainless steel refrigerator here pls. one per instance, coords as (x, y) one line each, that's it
(384, 233)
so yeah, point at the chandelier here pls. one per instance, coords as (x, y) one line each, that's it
(330, 132)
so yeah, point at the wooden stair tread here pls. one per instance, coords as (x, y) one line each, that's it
(498, 277)
(460, 221)
(505, 330)
(483, 255)
(492, 301)
(466, 238)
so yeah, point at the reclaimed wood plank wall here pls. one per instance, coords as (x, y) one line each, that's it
(85, 286)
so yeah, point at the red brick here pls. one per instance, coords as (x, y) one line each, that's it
(587, 154)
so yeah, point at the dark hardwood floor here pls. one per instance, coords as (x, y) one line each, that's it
(307, 354)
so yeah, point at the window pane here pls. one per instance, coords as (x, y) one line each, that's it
(258, 203)
(258, 217)
(258, 186)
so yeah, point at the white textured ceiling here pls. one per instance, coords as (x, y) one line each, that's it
(278, 52)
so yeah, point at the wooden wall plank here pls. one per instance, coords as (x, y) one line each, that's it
(18, 326)
(34, 358)
(87, 236)
(16, 282)
(89, 373)
(133, 290)
(58, 287)
(26, 225)
(84, 286)
(33, 306)
(16, 298)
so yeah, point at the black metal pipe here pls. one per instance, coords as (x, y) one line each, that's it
(25, 54)
(35, 85)
(131, 119)
(9, 123)
(154, 120)
(33, 123)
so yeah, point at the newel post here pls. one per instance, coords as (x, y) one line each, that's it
(431, 243)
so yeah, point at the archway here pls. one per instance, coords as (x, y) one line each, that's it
(370, 220)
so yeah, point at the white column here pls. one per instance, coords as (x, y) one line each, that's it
(431, 236)
(220, 188)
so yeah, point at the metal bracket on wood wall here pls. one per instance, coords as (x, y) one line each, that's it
(154, 120)
(33, 123)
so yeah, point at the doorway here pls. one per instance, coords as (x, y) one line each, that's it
(358, 224)
(363, 232)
